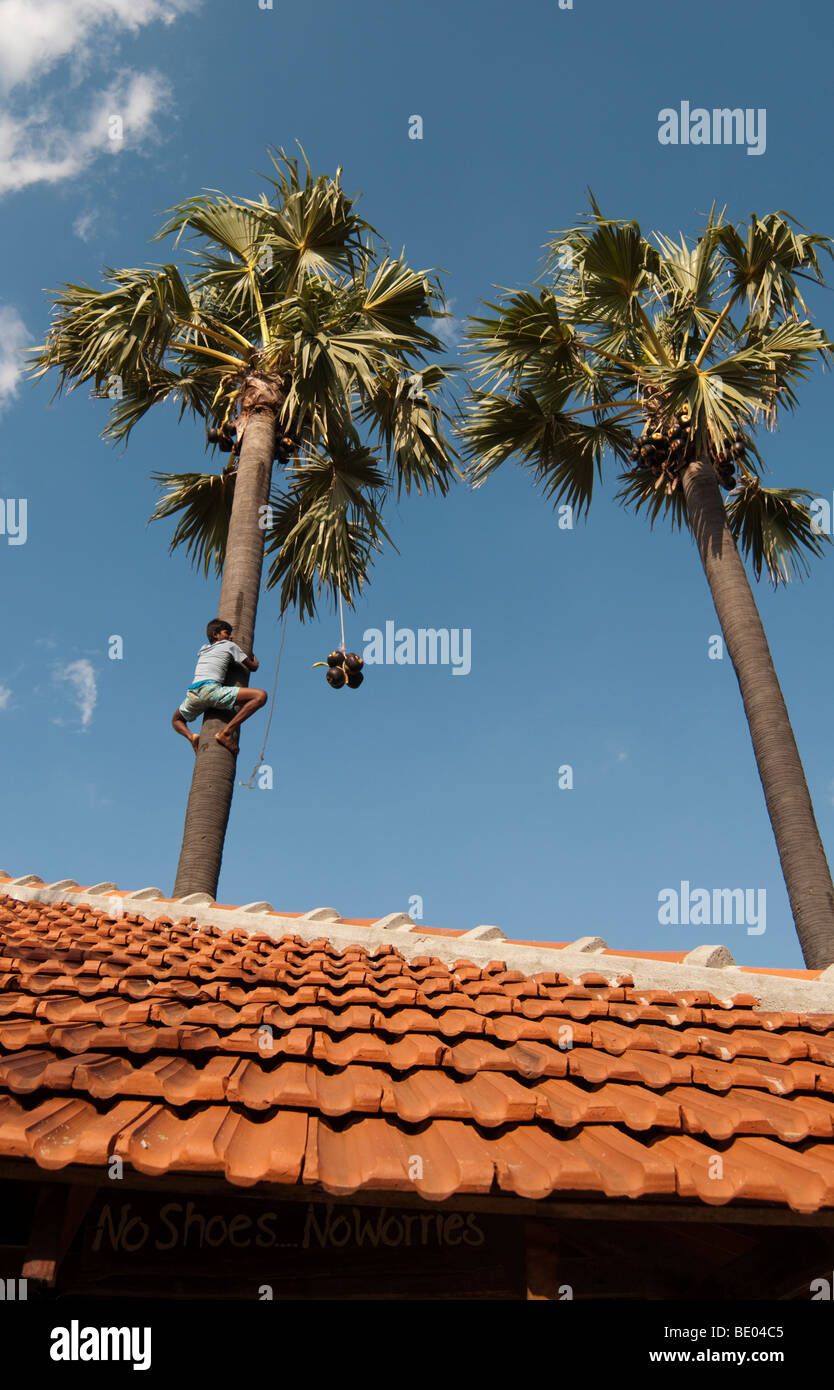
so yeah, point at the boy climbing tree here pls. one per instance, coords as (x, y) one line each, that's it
(207, 690)
(288, 319)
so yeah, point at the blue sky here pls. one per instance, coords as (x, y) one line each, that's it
(589, 647)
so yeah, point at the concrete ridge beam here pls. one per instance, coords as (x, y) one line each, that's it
(713, 957)
(484, 933)
(395, 921)
(779, 993)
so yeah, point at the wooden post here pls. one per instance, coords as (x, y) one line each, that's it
(59, 1210)
(542, 1261)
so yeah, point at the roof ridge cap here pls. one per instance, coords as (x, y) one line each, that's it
(720, 977)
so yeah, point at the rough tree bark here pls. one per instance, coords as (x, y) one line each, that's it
(804, 865)
(212, 784)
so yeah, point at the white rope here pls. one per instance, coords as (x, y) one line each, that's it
(271, 709)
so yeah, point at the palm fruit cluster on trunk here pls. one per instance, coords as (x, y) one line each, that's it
(284, 445)
(225, 437)
(226, 440)
(731, 448)
(665, 447)
(344, 668)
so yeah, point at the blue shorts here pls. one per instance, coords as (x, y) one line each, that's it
(207, 695)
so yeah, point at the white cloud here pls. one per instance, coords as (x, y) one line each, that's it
(38, 149)
(448, 330)
(38, 142)
(5, 697)
(81, 676)
(38, 33)
(13, 339)
(85, 224)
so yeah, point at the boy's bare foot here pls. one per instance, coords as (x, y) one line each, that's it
(228, 740)
(194, 740)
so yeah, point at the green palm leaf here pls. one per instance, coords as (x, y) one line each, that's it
(205, 503)
(283, 295)
(629, 332)
(772, 528)
(326, 527)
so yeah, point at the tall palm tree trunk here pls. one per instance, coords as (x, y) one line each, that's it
(212, 783)
(804, 865)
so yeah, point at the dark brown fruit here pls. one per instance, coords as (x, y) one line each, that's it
(355, 679)
(353, 662)
(335, 658)
(223, 438)
(336, 677)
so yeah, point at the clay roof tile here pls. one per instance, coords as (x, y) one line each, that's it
(198, 1048)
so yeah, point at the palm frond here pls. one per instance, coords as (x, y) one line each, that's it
(205, 503)
(705, 333)
(326, 527)
(764, 265)
(773, 529)
(563, 454)
(406, 414)
(285, 293)
(396, 298)
(641, 491)
(528, 329)
(122, 331)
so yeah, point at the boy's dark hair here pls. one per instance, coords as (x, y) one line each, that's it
(216, 625)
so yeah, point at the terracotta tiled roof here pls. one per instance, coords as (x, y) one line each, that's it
(291, 1057)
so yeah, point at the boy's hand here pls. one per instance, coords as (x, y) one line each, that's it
(251, 663)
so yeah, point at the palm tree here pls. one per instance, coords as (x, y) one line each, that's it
(670, 356)
(295, 340)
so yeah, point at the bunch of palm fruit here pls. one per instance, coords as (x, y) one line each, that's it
(284, 445)
(723, 457)
(225, 437)
(665, 447)
(226, 440)
(344, 668)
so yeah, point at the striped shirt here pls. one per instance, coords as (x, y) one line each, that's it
(214, 660)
